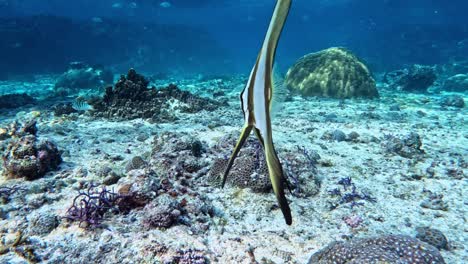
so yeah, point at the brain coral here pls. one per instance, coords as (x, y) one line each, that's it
(389, 249)
(334, 72)
(249, 170)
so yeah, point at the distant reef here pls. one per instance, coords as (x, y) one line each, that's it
(47, 44)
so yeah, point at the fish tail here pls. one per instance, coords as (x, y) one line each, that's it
(243, 137)
(277, 179)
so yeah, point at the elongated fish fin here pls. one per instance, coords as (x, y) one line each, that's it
(279, 92)
(259, 136)
(277, 179)
(243, 137)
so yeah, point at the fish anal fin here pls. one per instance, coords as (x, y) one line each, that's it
(277, 180)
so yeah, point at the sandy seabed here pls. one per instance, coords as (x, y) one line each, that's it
(248, 226)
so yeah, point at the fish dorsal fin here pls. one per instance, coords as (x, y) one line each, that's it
(279, 91)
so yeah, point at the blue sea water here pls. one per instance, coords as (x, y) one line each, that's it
(118, 118)
(224, 36)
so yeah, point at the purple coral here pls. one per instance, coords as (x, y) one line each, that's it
(90, 206)
(353, 221)
(351, 197)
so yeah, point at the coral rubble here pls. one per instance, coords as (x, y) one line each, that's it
(27, 157)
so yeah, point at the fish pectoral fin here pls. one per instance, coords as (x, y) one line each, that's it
(243, 137)
(277, 180)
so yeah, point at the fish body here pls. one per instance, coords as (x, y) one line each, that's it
(256, 100)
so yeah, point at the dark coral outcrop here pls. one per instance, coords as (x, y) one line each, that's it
(452, 101)
(391, 249)
(10, 101)
(131, 98)
(417, 78)
(82, 76)
(408, 146)
(456, 83)
(432, 236)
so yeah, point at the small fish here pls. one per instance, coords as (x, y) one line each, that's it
(165, 4)
(117, 5)
(256, 100)
(80, 104)
(96, 20)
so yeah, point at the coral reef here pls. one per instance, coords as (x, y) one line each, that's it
(190, 256)
(452, 101)
(456, 83)
(131, 98)
(163, 186)
(26, 157)
(137, 162)
(7, 191)
(335, 153)
(409, 146)
(21, 246)
(82, 76)
(249, 170)
(162, 213)
(433, 237)
(178, 153)
(382, 249)
(42, 223)
(415, 79)
(434, 201)
(64, 109)
(139, 188)
(9, 101)
(334, 72)
(353, 221)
